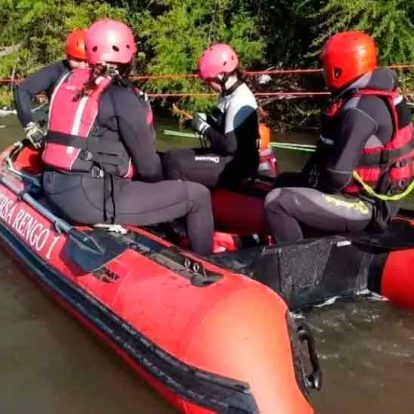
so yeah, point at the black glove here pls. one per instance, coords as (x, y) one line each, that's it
(34, 134)
(199, 123)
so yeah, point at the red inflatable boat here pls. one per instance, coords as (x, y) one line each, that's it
(318, 268)
(208, 339)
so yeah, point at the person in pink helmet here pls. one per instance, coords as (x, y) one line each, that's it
(231, 131)
(100, 157)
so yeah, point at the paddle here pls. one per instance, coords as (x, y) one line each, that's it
(93, 250)
(177, 111)
(89, 250)
(293, 146)
(180, 134)
(281, 145)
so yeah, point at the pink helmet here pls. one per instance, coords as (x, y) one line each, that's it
(109, 41)
(217, 59)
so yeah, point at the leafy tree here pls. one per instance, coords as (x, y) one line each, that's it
(175, 33)
(286, 26)
(390, 22)
(33, 32)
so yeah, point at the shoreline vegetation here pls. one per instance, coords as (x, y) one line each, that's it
(171, 35)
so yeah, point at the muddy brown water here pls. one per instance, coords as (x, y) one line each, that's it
(49, 364)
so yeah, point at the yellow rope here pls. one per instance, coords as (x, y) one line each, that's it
(383, 197)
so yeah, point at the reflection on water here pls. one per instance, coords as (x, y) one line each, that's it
(367, 354)
(49, 364)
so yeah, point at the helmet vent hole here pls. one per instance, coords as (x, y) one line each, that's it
(128, 47)
(337, 73)
(116, 48)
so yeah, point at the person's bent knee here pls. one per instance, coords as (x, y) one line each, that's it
(272, 198)
(282, 200)
(198, 194)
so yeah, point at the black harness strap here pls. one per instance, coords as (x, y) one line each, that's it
(383, 158)
(67, 140)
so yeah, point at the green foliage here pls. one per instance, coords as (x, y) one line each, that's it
(390, 22)
(287, 28)
(38, 30)
(175, 33)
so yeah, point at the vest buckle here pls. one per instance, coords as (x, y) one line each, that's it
(97, 172)
(85, 155)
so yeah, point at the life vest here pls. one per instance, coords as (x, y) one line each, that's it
(384, 172)
(74, 142)
(268, 165)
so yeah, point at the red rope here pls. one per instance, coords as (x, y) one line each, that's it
(258, 94)
(256, 73)
(287, 95)
(292, 94)
(8, 81)
(165, 76)
(283, 72)
(179, 95)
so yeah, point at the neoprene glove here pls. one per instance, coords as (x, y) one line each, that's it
(34, 134)
(199, 123)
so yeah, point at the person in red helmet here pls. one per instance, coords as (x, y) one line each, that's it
(231, 132)
(99, 152)
(44, 81)
(363, 164)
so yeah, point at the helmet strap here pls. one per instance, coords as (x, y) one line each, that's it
(222, 80)
(112, 70)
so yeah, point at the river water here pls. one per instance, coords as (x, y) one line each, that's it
(49, 364)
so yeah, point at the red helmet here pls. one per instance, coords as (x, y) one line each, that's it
(217, 59)
(75, 44)
(110, 41)
(346, 56)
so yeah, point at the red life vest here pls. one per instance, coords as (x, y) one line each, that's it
(387, 169)
(73, 142)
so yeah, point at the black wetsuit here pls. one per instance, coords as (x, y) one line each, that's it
(314, 199)
(42, 81)
(145, 200)
(233, 136)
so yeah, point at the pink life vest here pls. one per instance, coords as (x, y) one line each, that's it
(72, 143)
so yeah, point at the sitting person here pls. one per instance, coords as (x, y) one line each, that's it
(44, 81)
(100, 157)
(363, 164)
(232, 130)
